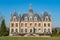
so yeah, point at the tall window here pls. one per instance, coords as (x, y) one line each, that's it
(44, 24)
(16, 24)
(16, 30)
(39, 24)
(30, 24)
(45, 30)
(21, 30)
(49, 30)
(25, 30)
(21, 24)
(39, 30)
(12, 24)
(35, 24)
(25, 24)
(48, 24)
(12, 30)
(30, 30)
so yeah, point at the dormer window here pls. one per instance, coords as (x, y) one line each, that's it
(14, 18)
(35, 18)
(26, 18)
(30, 18)
(46, 18)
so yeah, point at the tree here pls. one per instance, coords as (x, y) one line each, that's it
(3, 31)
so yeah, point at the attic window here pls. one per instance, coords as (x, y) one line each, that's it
(35, 18)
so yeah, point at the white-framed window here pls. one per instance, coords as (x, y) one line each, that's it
(30, 18)
(26, 18)
(35, 18)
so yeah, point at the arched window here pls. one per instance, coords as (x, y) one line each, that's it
(21, 24)
(16, 24)
(25, 24)
(25, 30)
(45, 30)
(35, 18)
(39, 30)
(39, 24)
(12, 24)
(30, 18)
(48, 24)
(30, 24)
(35, 24)
(44, 24)
(26, 18)
(16, 30)
(12, 30)
(21, 30)
(48, 30)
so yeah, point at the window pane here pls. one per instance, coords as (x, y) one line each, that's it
(21, 24)
(16, 24)
(12, 30)
(25, 24)
(39, 24)
(48, 24)
(25, 30)
(44, 30)
(44, 24)
(12, 24)
(30, 24)
(16, 30)
(35, 24)
(21, 30)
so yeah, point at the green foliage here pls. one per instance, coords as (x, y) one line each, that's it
(29, 38)
(3, 30)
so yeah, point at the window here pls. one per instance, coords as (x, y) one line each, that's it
(25, 30)
(16, 30)
(30, 18)
(30, 24)
(49, 30)
(21, 30)
(35, 24)
(39, 24)
(44, 24)
(30, 30)
(25, 24)
(48, 24)
(12, 24)
(26, 18)
(35, 18)
(44, 30)
(12, 30)
(39, 30)
(16, 24)
(21, 24)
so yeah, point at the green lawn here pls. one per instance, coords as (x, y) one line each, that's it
(29, 38)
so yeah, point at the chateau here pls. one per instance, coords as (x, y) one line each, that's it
(30, 23)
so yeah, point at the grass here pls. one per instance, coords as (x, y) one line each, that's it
(29, 38)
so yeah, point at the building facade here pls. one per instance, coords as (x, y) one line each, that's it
(30, 23)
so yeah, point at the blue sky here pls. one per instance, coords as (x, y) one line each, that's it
(51, 6)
